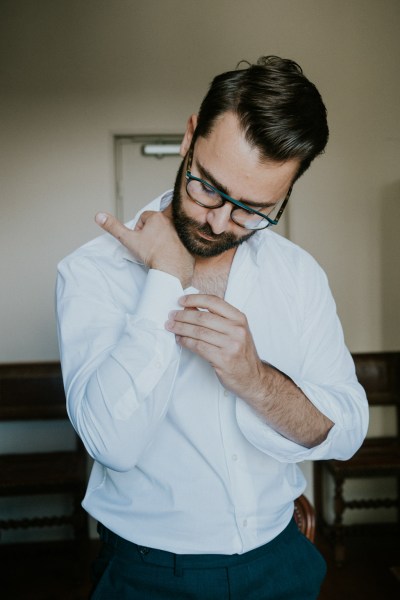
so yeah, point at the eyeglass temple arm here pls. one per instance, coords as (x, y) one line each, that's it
(282, 208)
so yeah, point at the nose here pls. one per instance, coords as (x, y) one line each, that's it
(219, 218)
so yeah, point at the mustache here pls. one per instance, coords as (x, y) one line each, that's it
(207, 230)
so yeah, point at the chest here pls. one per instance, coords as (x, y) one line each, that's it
(211, 282)
(211, 276)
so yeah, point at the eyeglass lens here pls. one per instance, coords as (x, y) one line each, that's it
(208, 197)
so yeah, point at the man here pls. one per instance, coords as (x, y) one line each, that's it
(203, 359)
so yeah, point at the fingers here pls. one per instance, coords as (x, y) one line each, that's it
(111, 224)
(186, 332)
(213, 304)
(216, 321)
(145, 215)
(211, 352)
(139, 224)
(227, 330)
(188, 321)
(159, 217)
(207, 339)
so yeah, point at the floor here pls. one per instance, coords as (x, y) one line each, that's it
(50, 574)
(369, 572)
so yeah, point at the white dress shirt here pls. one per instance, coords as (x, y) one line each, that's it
(181, 464)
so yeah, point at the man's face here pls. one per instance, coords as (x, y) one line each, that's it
(199, 238)
(226, 160)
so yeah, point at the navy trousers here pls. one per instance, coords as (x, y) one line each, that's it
(287, 568)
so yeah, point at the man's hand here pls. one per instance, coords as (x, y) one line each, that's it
(154, 242)
(220, 334)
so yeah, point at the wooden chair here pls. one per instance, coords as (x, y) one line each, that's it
(31, 392)
(304, 515)
(379, 374)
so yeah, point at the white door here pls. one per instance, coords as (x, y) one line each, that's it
(142, 177)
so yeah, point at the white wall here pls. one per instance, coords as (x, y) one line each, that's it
(73, 73)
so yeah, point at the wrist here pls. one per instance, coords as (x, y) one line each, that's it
(182, 271)
(263, 386)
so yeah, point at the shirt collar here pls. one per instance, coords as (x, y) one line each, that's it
(255, 243)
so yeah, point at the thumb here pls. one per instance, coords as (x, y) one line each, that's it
(111, 224)
(101, 218)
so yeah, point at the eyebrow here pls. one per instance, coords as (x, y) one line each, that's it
(221, 188)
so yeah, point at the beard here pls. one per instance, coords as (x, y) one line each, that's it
(188, 229)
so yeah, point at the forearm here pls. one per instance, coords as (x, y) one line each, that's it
(286, 409)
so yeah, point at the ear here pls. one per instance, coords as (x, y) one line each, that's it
(187, 138)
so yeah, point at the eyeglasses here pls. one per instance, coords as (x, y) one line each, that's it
(206, 195)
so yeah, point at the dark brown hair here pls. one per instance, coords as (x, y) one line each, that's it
(280, 110)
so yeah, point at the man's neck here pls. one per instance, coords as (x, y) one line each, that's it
(211, 274)
(210, 263)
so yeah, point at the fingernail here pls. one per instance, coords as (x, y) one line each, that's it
(101, 218)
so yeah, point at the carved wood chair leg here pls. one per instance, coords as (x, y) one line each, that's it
(318, 497)
(339, 507)
(398, 501)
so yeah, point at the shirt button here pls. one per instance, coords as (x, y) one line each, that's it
(244, 522)
(226, 393)
(158, 365)
(235, 457)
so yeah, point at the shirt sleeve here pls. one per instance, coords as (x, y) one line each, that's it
(119, 362)
(326, 375)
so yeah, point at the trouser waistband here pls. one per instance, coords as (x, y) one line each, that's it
(163, 558)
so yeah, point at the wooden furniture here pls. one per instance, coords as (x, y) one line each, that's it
(31, 392)
(379, 374)
(304, 515)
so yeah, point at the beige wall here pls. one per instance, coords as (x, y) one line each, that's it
(73, 73)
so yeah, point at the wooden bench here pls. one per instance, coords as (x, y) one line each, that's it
(34, 392)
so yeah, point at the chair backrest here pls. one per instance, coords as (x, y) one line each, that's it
(379, 374)
(304, 515)
(31, 391)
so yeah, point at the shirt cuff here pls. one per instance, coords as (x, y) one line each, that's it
(270, 442)
(160, 295)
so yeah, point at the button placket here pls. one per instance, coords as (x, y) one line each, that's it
(231, 441)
